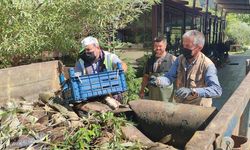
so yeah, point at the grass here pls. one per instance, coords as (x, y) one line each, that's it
(237, 52)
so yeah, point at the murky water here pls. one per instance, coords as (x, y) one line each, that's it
(230, 77)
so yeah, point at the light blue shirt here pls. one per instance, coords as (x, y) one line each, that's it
(213, 88)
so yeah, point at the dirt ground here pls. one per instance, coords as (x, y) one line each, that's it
(131, 55)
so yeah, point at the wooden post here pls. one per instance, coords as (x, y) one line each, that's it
(244, 120)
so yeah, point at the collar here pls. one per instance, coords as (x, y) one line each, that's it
(102, 56)
(189, 65)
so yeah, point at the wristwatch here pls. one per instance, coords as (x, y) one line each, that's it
(194, 93)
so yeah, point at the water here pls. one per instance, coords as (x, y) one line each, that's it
(230, 77)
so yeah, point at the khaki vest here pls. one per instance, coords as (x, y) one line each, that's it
(194, 77)
(108, 57)
(162, 93)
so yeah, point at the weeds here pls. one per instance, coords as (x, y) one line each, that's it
(34, 128)
(105, 133)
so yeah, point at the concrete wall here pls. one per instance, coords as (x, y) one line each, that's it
(28, 80)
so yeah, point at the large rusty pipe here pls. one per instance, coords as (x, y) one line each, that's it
(176, 122)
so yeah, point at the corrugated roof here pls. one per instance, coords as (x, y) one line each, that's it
(234, 6)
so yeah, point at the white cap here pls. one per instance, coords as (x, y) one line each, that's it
(89, 40)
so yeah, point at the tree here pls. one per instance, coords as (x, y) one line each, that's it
(109, 16)
(238, 29)
(243, 17)
(29, 27)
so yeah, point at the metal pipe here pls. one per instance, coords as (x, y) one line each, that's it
(158, 120)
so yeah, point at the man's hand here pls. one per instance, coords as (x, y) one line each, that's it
(152, 80)
(183, 92)
(141, 94)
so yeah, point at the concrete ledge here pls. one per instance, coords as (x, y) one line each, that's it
(28, 80)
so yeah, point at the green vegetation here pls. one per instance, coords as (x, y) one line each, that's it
(22, 127)
(238, 28)
(27, 28)
(133, 85)
(92, 133)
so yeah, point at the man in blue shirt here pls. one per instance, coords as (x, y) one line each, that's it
(195, 74)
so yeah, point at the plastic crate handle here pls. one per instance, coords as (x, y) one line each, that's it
(117, 73)
(78, 74)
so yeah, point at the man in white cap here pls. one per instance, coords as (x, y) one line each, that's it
(92, 59)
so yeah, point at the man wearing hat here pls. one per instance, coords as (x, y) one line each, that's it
(92, 59)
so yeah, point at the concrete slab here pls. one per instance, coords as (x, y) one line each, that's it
(28, 80)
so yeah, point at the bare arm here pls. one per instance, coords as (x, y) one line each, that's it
(144, 84)
(124, 67)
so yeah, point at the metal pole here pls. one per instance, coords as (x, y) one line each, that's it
(184, 22)
(209, 33)
(214, 24)
(224, 26)
(247, 66)
(144, 28)
(216, 36)
(201, 23)
(214, 29)
(206, 22)
(162, 16)
(154, 21)
(220, 30)
(193, 17)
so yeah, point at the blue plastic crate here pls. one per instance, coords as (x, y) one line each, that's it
(81, 88)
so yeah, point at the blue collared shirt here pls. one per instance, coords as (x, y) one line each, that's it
(213, 88)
